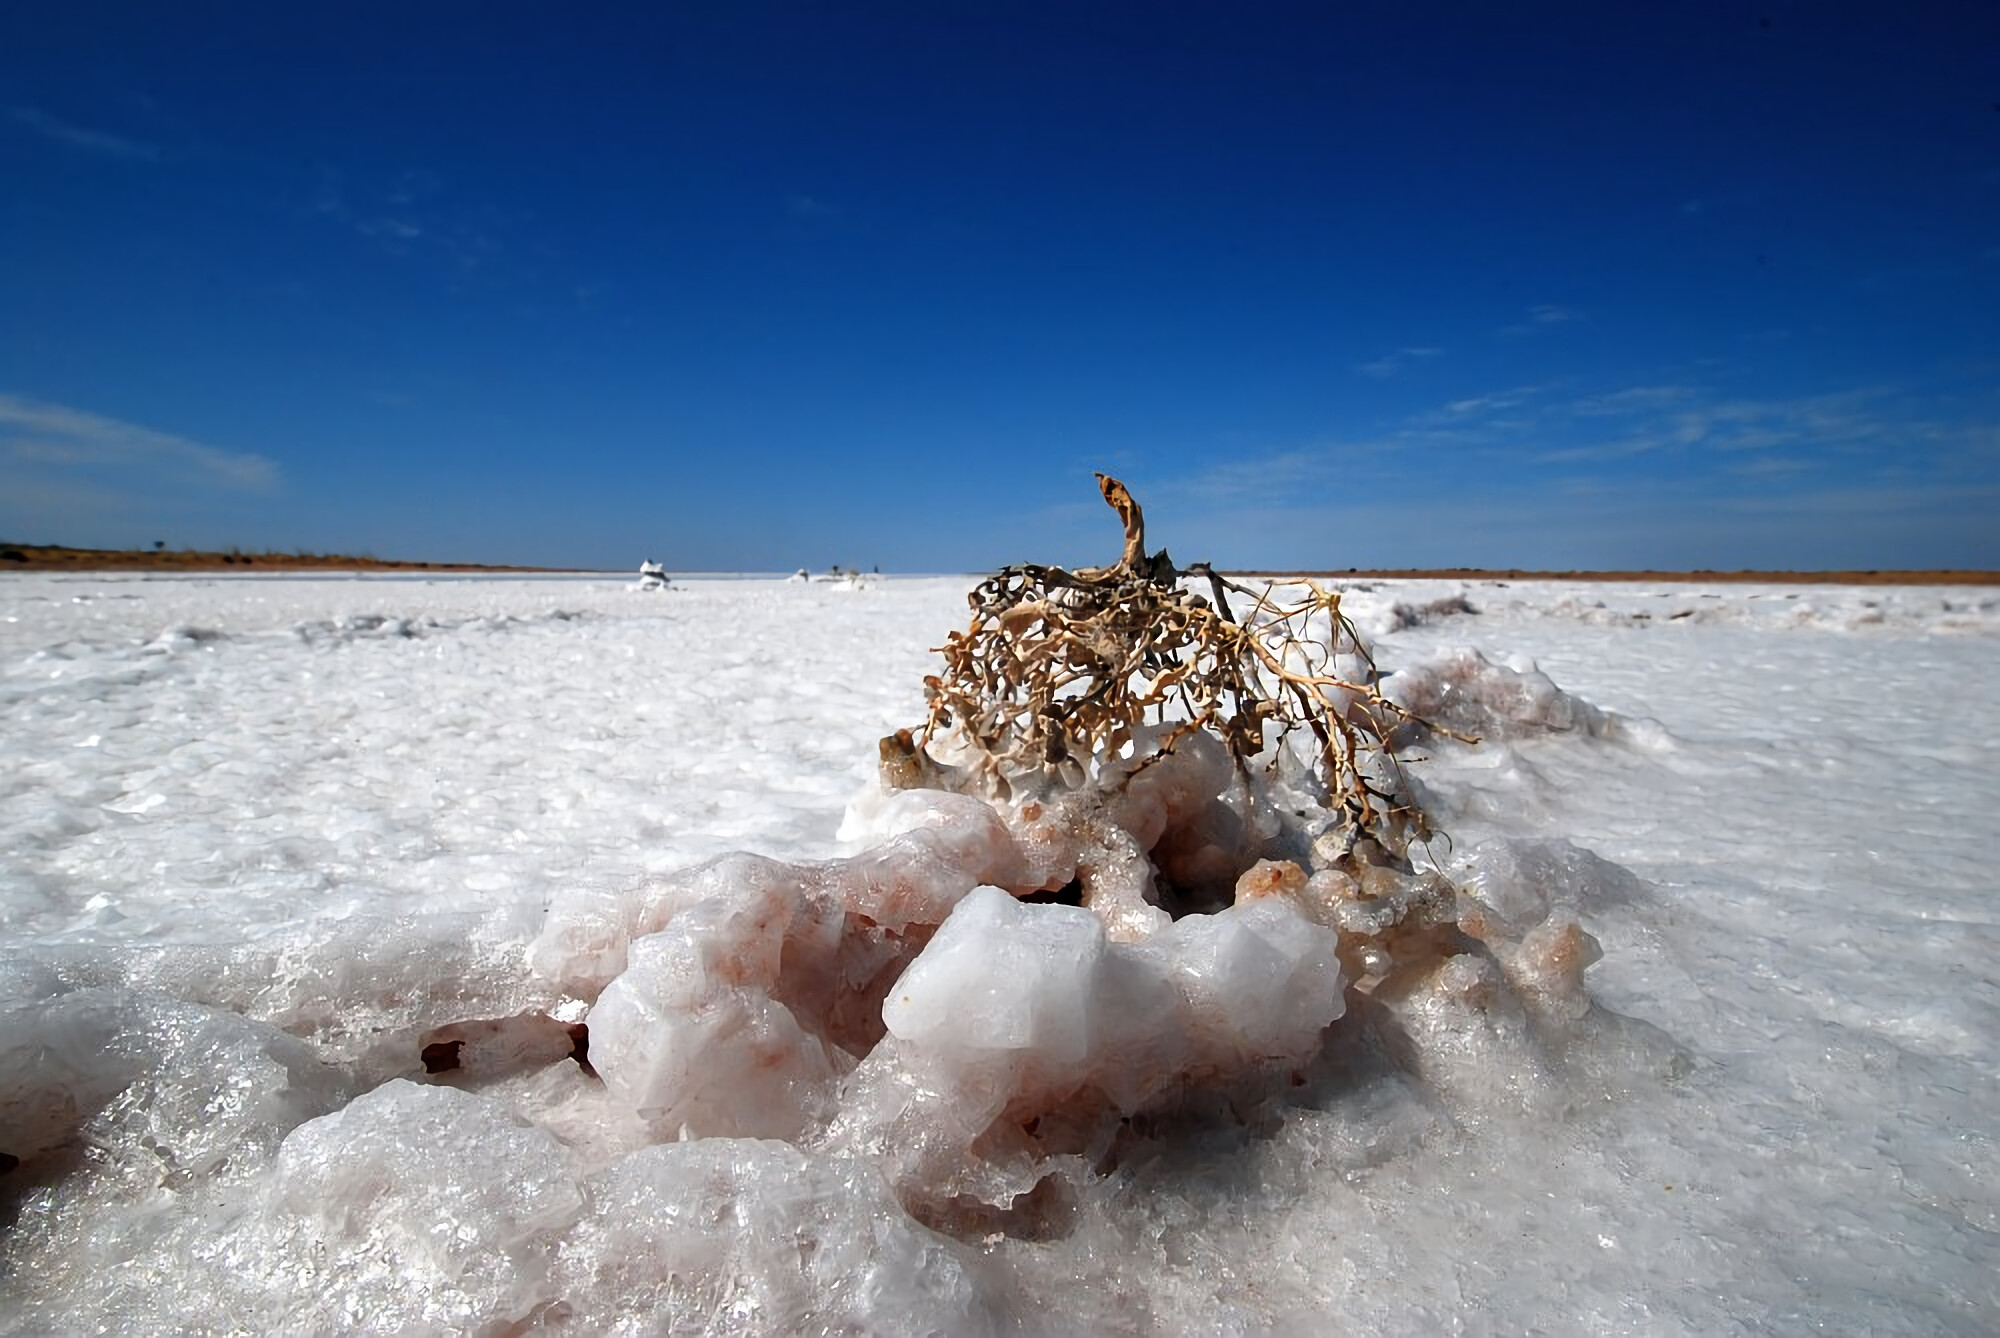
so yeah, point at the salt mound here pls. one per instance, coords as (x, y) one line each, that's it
(821, 1090)
(979, 1005)
(1023, 1033)
(1402, 617)
(689, 1035)
(1463, 691)
(1520, 883)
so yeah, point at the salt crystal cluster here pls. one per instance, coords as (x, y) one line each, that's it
(755, 1095)
(977, 1004)
(766, 1096)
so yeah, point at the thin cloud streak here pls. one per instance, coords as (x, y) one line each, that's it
(1395, 364)
(1541, 316)
(1637, 399)
(33, 432)
(101, 143)
(1626, 476)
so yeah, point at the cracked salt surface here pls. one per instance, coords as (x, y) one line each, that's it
(269, 842)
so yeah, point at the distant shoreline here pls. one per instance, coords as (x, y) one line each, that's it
(57, 557)
(1884, 577)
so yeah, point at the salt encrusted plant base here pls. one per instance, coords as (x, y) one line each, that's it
(1105, 889)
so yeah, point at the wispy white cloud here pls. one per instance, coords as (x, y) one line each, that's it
(1485, 404)
(1773, 466)
(1594, 525)
(1604, 451)
(393, 229)
(1541, 316)
(1871, 431)
(809, 206)
(52, 436)
(1636, 399)
(1656, 473)
(1394, 364)
(411, 215)
(1281, 473)
(82, 138)
(1476, 417)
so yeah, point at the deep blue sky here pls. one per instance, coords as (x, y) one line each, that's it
(761, 285)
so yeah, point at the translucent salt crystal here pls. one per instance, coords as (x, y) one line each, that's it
(938, 847)
(1272, 878)
(1258, 982)
(725, 1236)
(1003, 976)
(1168, 792)
(162, 1090)
(1118, 886)
(1325, 891)
(415, 1209)
(917, 877)
(1049, 836)
(1519, 883)
(1549, 965)
(689, 1035)
(1026, 1007)
(583, 940)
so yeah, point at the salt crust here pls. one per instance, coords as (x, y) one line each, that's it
(235, 1136)
(904, 1007)
(793, 1059)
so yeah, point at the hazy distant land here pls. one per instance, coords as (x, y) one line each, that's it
(57, 557)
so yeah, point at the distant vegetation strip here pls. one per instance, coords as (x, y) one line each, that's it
(1938, 577)
(56, 557)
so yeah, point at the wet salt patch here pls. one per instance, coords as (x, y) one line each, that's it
(1790, 1129)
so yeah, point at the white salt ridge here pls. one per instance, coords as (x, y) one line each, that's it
(252, 874)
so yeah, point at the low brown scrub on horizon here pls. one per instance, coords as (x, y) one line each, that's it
(57, 557)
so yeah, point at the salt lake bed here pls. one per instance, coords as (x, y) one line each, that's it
(342, 916)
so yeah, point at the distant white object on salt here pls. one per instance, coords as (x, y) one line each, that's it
(652, 576)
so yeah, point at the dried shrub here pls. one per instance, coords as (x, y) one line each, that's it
(1062, 673)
